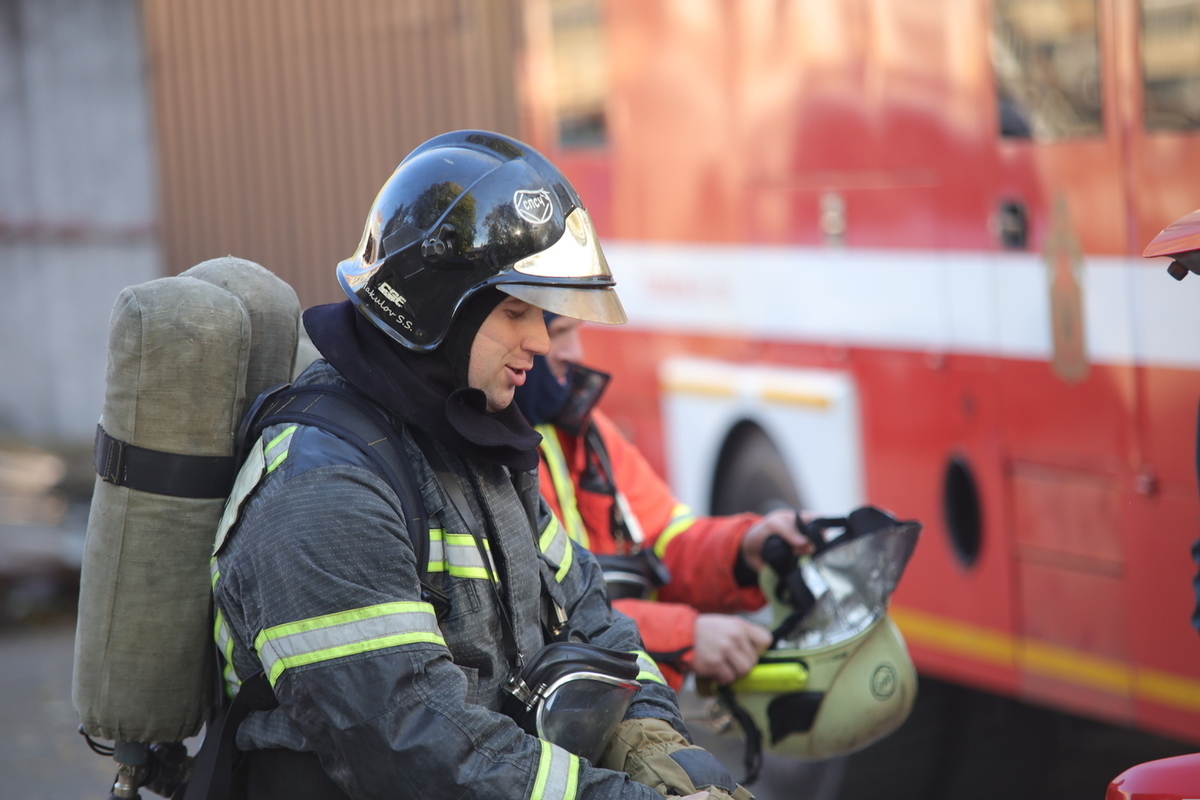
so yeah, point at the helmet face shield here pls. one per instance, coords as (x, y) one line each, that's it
(851, 581)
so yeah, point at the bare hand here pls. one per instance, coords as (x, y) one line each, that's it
(727, 647)
(781, 521)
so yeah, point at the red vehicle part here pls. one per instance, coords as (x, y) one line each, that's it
(1166, 779)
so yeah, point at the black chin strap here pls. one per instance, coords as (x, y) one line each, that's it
(752, 754)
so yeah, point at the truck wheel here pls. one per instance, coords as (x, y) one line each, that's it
(751, 475)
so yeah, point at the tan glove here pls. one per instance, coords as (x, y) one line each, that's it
(642, 749)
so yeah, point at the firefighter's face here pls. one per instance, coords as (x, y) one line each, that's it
(503, 350)
(566, 346)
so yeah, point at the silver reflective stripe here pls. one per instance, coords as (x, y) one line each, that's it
(437, 550)
(224, 640)
(464, 560)
(457, 554)
(557, 775)
(261, 459)
(276, 450)
(346, 633)
(649, 670)
(556, 547)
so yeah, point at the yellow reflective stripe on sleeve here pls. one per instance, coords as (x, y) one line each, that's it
(564, 487)
(437, 550)
(682, 518)
(224, 640)
(276, 450)
(555, 545)
(649, 669)
(361, 630)
(557, 775)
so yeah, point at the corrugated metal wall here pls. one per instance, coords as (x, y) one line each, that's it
(278, 120)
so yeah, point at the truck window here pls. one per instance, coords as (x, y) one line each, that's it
(1046, 61)
(1171, 64)
(580, 72)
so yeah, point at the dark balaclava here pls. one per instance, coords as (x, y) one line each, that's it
(426, 390)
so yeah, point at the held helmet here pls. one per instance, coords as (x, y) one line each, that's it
(838, 676)
(464, 211)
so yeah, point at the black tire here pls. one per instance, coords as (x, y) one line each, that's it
(752, 475)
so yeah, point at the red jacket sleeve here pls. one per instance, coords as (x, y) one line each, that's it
(700, 552)
(668, 633)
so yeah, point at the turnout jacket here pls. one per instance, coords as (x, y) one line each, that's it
(317, 585)
(700, 552)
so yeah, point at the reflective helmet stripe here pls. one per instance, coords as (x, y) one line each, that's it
(564, 487)
(682, 518)
(557, 775)
(346, 633)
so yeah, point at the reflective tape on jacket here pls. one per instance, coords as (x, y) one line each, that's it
(224, 639)
(557, 775)
(682, 518)
(555, 545)
(346, 633)
(459, 555)
(649, 669)
(263, 458)
(564, 486)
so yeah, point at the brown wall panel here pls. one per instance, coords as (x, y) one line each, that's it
(278, 120)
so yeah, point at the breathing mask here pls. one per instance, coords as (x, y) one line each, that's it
(574, 695)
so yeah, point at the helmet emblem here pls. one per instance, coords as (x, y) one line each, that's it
(883, 681)
(533, 205)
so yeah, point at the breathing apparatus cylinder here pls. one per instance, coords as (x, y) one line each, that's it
(185, 355)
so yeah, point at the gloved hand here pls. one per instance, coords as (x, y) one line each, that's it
(653, 753)
(713, 793)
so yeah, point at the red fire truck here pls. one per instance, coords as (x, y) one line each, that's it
(888, 251)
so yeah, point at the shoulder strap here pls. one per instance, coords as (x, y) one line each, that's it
(212, 770)
(349, 416)
(625, 523)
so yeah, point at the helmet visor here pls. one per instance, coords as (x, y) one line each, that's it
(598, 304)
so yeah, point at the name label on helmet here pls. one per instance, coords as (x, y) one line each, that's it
(384, 308)
(533, 205)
